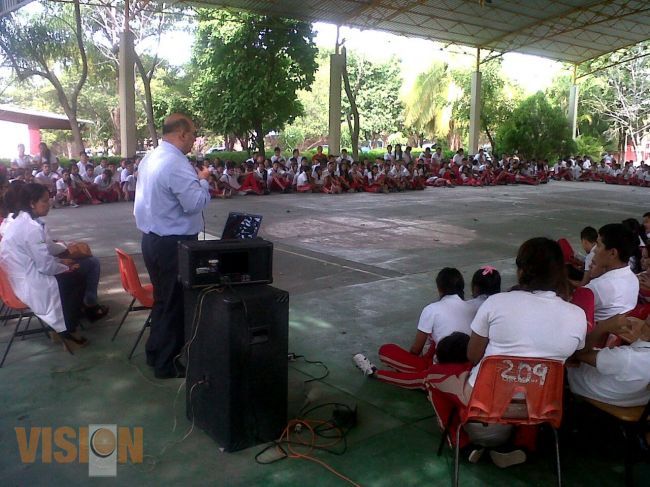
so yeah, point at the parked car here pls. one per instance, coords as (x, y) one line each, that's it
(216, 148)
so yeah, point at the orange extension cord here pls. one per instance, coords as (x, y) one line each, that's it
(309, 424)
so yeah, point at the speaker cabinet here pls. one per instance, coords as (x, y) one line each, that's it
(237, 369)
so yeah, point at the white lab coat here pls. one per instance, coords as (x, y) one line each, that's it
(31, 269)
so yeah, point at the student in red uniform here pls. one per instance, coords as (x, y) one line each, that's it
(375, 181)
(319, 157)
(304, 182)
(107, 191)
(331, 183)
(251, 183)
(438, 320)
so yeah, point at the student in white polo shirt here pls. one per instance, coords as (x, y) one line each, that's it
(529, 321)
(616, 290)
(618, 375)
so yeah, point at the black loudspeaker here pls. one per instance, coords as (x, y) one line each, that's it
(208, 262)
(237, 366)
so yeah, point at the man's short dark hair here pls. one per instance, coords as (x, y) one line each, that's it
(617, 236)
(589, 234)
(176, 123)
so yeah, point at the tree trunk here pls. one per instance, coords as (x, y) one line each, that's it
(117, 137)
(259, 138)
(489, 136)
(148, 101)
(354, 133)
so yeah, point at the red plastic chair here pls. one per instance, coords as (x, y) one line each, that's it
(567, 251)
(132, 285)
(12, 303)
(583, 297)
(517, 391)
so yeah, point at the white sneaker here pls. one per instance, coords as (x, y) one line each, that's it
(508, 459)
(74, 205)
(475, 455)
(362, 363)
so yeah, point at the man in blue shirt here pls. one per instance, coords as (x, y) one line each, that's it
(169, 200)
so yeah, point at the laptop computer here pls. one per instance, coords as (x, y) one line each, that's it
(241, 226)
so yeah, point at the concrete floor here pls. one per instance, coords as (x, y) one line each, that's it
(359, 268)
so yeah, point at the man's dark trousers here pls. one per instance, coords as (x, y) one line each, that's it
(166, 339)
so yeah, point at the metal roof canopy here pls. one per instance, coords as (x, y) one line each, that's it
(36, 118)
(572, 31)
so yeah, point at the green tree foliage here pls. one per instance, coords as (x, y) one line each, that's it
(537, 130)
(311, 128)
(376, 87)
(590, 123)
(428, 103)
(49, 44)
(587, 145)
(248, 69)
(499, 98)
(624, 88)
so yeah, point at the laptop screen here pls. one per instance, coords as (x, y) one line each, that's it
(241, 225)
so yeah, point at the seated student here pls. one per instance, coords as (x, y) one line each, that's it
(125, 174)
(619, 375)
(64, 194)
(229, 180)
(51, 287)
(331, 182)
(304, 182)
(217, 188)
(129, 186)
(317, 179)
(319, 157)
(438, 320)
(356, 178)
(47, 178)
(616, 289)
(375, 181)
(251, 183)
(277, 156)
(106, 190)
(588, 239)
(530, 321)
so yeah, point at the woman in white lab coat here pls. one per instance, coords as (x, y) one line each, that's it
(37, 278)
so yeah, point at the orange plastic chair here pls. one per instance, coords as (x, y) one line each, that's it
(517, 391)
(11, 302)
(132, 285)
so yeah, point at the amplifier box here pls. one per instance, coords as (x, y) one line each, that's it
(217, 262)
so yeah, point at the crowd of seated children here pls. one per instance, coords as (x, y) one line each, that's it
(82, 182)
(398, 170)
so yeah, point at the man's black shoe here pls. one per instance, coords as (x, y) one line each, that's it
(178, 373)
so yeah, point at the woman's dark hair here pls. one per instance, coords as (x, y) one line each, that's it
(453, 348)
(31, 193)
(639, 235)
(618, 236)
(12, 198)
(450, 281)
(541, 266)
(486, 280)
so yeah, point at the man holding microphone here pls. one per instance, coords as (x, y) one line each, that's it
(170, 197)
